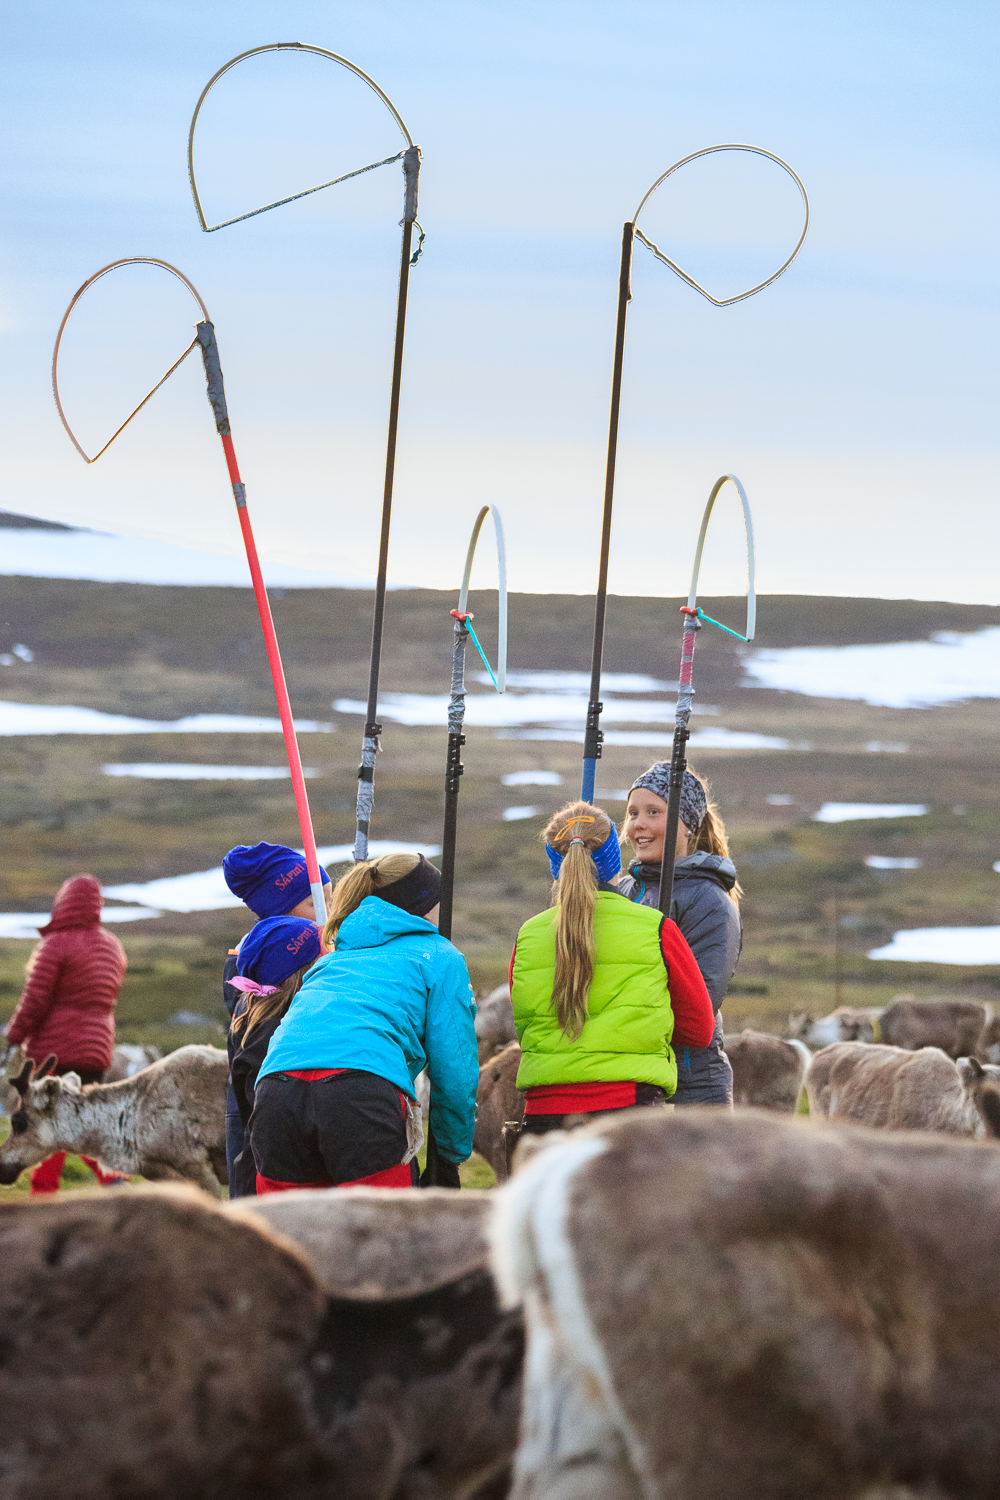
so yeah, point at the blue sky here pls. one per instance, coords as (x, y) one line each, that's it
(856, 398)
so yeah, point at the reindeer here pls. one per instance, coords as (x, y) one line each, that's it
(768, 1071)
(733, 1304)
(167, 1123)
(890, 1088)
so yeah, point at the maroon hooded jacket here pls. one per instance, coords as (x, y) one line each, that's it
(71, 984)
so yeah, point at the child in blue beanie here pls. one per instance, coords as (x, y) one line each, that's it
(273, 958)
(273, 881)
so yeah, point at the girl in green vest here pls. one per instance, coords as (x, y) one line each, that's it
(603, 990)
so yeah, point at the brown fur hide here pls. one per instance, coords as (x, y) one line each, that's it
(892, 1089)
(956, 1026)
(734, 1305)
(498, 1102)
(768, 1072)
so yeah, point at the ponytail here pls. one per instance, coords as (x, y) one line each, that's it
(364, 879)
(576, 832)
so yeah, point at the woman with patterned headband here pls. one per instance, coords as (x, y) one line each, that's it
(704, 906)
(334, 1102)
(603, 990)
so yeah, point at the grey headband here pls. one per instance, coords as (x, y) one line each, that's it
(694, 803)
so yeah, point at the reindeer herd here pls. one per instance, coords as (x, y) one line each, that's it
(658, 1306)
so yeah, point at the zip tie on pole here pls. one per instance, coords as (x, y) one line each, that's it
(205, 337)
(475, 641)
(410, 157)
(693, 617)
(719, 625)
(631, 232)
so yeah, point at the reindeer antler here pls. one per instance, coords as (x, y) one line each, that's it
(28, 1075)
(21, 1080)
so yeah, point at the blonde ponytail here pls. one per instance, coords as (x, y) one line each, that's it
(364, 879)
(576, 832)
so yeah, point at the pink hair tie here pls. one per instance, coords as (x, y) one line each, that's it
(251, 987)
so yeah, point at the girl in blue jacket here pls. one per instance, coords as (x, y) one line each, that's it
(335, 1099)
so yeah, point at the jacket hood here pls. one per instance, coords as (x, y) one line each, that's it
(699, 866)
(77, 904)
(376, 922)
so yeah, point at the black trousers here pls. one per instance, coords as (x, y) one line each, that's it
(646, 1094)
(324, 1131)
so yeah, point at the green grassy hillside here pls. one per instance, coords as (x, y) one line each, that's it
(812, 908)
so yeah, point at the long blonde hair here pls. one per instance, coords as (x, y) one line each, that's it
(576, 832)
(364, 879)
(263, 1007)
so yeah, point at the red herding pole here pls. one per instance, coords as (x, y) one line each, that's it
(217, 397)
(205, 337)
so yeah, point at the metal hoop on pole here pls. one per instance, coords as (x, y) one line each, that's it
(710, 151)
(129, 260)
(205, 337)
(456, 706)
(286, 47)
(631, 232)
(410, 158)
(693, 617)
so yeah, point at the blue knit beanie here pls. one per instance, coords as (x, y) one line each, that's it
(277, 947)
(270, 878)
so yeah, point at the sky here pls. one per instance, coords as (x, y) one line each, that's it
(855, 398)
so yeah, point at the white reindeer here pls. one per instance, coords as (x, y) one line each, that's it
(167, 1123)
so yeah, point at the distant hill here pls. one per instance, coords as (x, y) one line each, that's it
(325, 633)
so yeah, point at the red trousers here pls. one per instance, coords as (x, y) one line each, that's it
(45, 1177)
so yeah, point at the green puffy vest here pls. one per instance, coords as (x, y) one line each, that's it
(626, 1037)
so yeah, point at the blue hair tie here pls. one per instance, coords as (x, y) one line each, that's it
(607, 859)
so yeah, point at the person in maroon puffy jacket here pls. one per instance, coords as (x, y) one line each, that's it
(67, 1005)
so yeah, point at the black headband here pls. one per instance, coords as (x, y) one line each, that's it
(417, 892)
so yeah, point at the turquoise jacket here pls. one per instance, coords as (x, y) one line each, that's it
(392, 999)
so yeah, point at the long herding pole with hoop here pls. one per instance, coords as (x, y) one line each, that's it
(205, 338)
(410, 158)
(693, 617)
(630, 233)
(456, 706)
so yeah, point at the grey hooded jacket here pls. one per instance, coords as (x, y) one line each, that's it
(710, 920)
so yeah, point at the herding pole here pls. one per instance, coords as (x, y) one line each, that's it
(693, 616)
(410, 158)
(593, 735)
(205, 338)
(456, 706)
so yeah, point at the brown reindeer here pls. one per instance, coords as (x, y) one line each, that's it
(155, 1346)
(892, 1089)
(768, 1071)
(729, 1304)
(499, 1110)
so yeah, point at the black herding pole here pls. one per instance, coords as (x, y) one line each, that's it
(410, 158)
(593, 735)
(693, 616)
(678, 758)
(370, 743)
(456, 704)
